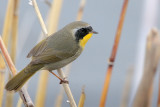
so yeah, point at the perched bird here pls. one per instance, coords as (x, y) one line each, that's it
(54, 52)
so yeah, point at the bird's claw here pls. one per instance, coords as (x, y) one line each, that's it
(64, 81)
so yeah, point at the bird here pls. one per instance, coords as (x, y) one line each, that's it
(54, 52)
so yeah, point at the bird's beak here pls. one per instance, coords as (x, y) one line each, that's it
(94, 32)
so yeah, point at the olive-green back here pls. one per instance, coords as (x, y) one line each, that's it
(59, 46)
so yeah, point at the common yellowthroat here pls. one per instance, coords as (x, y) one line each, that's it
(54, 52)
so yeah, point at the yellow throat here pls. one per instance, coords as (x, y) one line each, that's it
(85, 40)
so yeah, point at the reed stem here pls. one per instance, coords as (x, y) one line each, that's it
(60, 72)
(53, 19)
(82, 98)
(2, 80)
(152, 57)
(23, 92)
(113, 55)
(67, 89)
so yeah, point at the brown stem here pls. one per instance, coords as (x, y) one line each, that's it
(23, 92)
(113, 55)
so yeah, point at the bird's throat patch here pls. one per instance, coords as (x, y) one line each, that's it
(85, 39)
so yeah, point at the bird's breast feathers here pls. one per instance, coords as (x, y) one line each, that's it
(85, 39)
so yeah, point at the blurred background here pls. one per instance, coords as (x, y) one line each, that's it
(90, 68)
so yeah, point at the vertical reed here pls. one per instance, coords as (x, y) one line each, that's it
(5, 36)
(78, 18)
(82, 98)
(67, 89)
(13, 42)
(2, 75)
(158, 101)
(59, 99)
(81, 10)
(19, 103)
(65, 86)
(42, 89)
(14, 31)
(113, 55)
(152, 57)
(127, 88)
(23, 92)
(53, 19)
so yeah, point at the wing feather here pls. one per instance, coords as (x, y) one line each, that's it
(51, 58)
(38, 49)
(49, 51)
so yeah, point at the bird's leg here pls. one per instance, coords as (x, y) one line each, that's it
(61, 80)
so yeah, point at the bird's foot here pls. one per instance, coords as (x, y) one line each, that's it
(64, 81)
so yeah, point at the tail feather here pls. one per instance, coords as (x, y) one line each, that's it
(21, 78)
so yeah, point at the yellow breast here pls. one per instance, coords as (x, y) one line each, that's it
(85, 39)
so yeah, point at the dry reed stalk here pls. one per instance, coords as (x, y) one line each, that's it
(23, 92)
(82, 98)
(158, 102)
(67, 89)
(6, 29)
(14, 32)
(8, 22)
(150, 96)
(7, 57)
(113, 55)
(127, 88)
(79, 18)
(34, 3)
(60, 72)
(81, 10)
(5, 35)
(42, 89)
(20, 102)
(152, 57)
(53, 16)
(39, 102)
(9, 97)
(67, 68)
(59, 99)
(53, 19)
(2, 80)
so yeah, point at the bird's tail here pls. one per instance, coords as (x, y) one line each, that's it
(21, 78)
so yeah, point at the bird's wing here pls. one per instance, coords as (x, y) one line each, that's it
(44, 53)
(38, 49)
(50, 56)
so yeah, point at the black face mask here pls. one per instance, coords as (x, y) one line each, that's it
(82, 32)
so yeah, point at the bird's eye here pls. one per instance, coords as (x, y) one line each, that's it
(83, 30)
